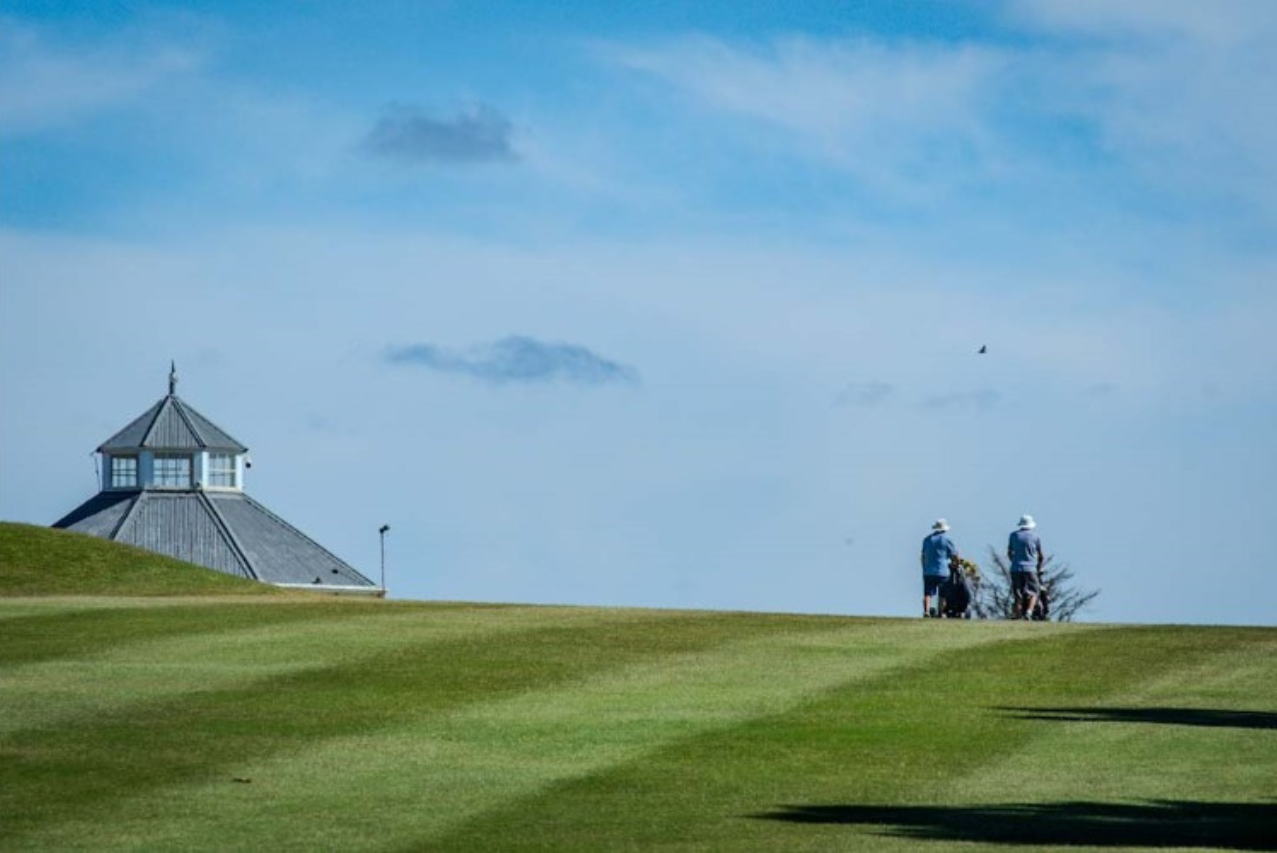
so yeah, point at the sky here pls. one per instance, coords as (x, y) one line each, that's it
(667, 305)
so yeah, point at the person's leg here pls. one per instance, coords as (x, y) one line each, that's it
(1030, 594)
(930, 590)
(1026, 594)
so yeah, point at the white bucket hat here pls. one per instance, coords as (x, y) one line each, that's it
(1027, 522)
(940, 526)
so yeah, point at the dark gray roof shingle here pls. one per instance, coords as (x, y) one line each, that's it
(171, 424)
(100, 515)
(184, 526)
(226, 531)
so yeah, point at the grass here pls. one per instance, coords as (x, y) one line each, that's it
(43, 561)
(302, 722)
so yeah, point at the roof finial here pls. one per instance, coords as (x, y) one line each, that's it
(172, 378)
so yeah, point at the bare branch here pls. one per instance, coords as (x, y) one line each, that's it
(994, 598)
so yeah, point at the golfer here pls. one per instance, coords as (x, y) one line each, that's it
(938, 551)
(1024, 553)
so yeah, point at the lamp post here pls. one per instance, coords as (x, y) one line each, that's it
(382, 530)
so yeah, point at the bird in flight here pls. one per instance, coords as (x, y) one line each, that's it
(983, 350)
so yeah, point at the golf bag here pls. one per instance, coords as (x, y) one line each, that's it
(956, 595)
(1042, 609)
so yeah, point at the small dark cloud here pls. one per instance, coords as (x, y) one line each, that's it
(865, 394)
(518, 359)
(985, 398)
(408, 134)
(320, 424)
(1101, 390)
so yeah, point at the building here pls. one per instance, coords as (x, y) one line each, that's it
(173, 482)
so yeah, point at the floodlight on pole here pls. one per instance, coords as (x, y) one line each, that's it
(382, 530)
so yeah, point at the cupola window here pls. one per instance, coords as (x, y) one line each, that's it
(123, 472)
(221, 470)
(172, 471)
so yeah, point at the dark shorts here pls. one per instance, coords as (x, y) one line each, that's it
(931, 584)
(1025, 583)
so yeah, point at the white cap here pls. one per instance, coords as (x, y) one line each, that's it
(941, 525)
(1027, 522)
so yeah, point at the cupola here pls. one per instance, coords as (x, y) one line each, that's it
(172, 446)
(173, 482)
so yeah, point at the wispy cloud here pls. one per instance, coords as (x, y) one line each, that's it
(984, 398)
(408, 134)
(883, 112)
(1100, 390)
(47, 82)
(1177, 88)
(865, 395)
(518, 360)
(1222, 21)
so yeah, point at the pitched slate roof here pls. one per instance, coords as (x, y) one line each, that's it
(226, 531)
(223, 530)
(171, 424)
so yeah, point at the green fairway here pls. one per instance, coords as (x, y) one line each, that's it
(291, 722)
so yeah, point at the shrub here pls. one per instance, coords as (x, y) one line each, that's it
(1064, 598)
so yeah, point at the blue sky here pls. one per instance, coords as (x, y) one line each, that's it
(670, 304)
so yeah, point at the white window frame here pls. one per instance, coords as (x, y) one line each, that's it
(168, 470)
(223, 471)
(123, 472)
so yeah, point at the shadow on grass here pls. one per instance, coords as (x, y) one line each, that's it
(1160, 823)
(1161, 716)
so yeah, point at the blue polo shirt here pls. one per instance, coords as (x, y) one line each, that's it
(1022, 550)
(937, 549)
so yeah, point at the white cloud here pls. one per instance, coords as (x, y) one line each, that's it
(1176, 92)
(879, 111)
(1180, 90)
(825, 88)
(46, 84)
(1219, 21)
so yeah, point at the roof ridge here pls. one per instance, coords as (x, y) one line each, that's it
(152, 411)
(179, 406)
(171, 423)
(150, 428)
(210, 434)
(229, 532)
(126, 516)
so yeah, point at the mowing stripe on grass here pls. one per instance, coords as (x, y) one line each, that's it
(1202, 728)
(913, 735)
(453, 766)
(78, 633)
(546, 728)
(142, 656)
(91, 767)
(1183, 756)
